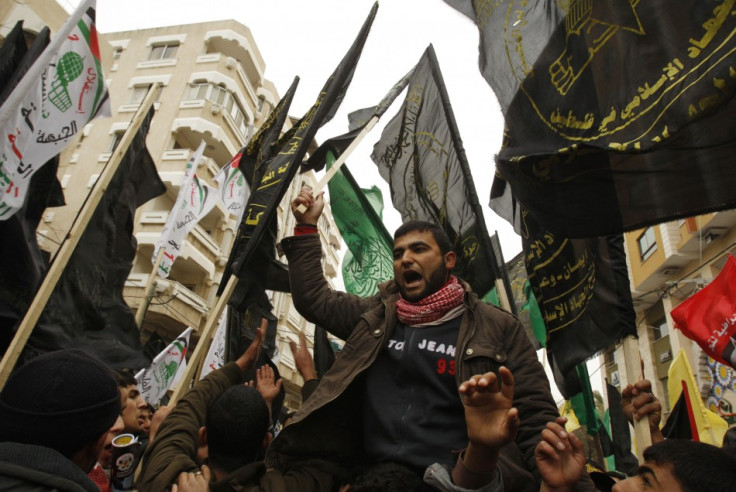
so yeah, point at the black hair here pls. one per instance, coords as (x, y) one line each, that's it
(125, 378)
(237, 422)
(439, 234)
(696, 466)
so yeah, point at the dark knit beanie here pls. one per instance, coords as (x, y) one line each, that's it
(61, 400)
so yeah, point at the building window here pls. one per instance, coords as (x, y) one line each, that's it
(163, 51)
(647, 243)
(117, 51)
(116, 137)
(261, 100)
(660, 329)
(138, 93)
(223, 98)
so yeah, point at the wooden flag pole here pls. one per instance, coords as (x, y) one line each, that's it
(140, 314)
(70, 243)
(632, 358)
(341, 160)
(205, 338)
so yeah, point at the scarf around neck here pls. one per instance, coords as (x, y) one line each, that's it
(444, 304)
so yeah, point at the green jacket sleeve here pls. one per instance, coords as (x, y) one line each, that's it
(175, 447)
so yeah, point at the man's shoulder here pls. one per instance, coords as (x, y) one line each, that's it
(29, 467)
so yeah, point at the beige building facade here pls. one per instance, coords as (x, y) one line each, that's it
(212, 90)
(667, 264)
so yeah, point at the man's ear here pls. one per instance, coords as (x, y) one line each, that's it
(450, 260)
(202, 435)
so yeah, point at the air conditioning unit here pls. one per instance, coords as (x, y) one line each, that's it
(615, 379)
(665, 356)
(712, 233)
(216, 108)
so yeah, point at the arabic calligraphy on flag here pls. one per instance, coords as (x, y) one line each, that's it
(161, 374)
(61, 92)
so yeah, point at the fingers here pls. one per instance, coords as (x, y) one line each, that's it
(513, 421)
(249, 384)
(555, 435)
(577, 445)
(487, 381)
(293, 347)
(206, 473)
(546, 451)
(507, 382)
(302, 339)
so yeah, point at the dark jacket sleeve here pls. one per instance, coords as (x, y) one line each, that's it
(174, 448)
(337, 312)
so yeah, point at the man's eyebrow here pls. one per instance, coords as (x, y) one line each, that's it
(643, 469)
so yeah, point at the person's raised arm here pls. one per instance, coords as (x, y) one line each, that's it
(560, 458)
(637, 401)
(267, 386)
(302, 358)
(314, 205)
(492, 423)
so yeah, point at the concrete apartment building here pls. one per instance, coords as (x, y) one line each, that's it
(213, 90)
(667, 264)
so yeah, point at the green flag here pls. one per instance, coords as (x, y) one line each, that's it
(357, 214)
(583, 403)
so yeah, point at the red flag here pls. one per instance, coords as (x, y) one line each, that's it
(709, 316)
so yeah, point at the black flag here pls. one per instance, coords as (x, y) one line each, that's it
(421, 156)
(87, 309)
(278, 172)
(582, 287)
(619, 114)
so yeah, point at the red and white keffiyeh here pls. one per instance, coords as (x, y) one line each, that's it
(446, 301)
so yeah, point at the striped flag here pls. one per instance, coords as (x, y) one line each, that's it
(62, 91)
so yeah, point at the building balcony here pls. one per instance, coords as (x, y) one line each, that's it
(172, 309)
(239, 47)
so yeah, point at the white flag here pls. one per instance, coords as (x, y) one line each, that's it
(62, 91)
(216, 354)
(234, 190)
(196, 198)
(159, 377)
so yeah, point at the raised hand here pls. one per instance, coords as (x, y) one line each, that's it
(265, 384)
(314, 205)
(560, 457)
(302, 358)
(492, 421)
(638, 401)
(250, 356)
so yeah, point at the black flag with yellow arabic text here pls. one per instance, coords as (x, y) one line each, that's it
(619, 114)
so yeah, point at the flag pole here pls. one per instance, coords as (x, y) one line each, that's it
(341, 160)
(70, 243)
(204, 339)
(632, 359)
(140, 314)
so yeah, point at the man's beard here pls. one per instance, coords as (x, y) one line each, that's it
(436, 280)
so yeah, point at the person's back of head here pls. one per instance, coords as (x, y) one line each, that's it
(439, 234)
(696, 466)
(65, 400)
(236, 423)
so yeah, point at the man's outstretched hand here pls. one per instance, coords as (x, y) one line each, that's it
(560, 457)
(250, 356)
(314, 206)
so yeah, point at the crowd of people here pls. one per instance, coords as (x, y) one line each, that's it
(433, 390)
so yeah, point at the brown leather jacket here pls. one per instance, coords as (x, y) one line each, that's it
(328, 426)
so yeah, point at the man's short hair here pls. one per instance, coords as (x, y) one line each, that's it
(439, 234)
(125, 378)
(62, 400)
(696, 466)
(237, 422)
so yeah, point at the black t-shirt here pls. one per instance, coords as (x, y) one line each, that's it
(412, 412)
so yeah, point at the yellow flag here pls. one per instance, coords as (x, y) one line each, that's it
(710, 427)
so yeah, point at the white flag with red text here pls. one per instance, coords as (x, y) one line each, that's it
(196, 198)
(61, 92)
(234, 190)
(215, 358)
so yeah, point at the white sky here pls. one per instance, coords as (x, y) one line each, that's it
(308, 38)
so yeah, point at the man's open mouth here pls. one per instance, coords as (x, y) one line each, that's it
(411, 277)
